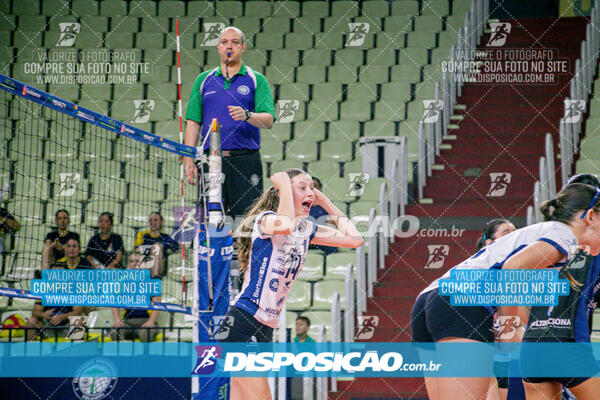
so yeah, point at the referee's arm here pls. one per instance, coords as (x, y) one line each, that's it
(192, 133)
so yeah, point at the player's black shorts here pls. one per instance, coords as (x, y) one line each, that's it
(581, 359)
(243, 327)
(433, 318)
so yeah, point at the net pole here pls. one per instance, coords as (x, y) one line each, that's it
(181, 160)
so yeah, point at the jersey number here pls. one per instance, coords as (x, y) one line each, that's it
(296, 259)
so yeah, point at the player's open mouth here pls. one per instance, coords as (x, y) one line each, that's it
(306, 205)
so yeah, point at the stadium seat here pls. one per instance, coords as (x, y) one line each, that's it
(380, 128)
(310, 25)
(431, 23)
(315, 9)
(437, 8)
(301, 150)
(374, 22)
(150, 40)
(286, 8)
(349, 130)
(106, 188)
(146, 9)
(372, 189)
(342, 73)
(228, 8)
(337, 24)
(276, 24)
(353, 166)
(336, 189)
(25, 147)
(363, 208)
(111, 8)
(94, 24)
(361, 91)
(377, 56)
(284, 57)
(58, 150)
(356, 110)
(30, 168)
(447, 39)
(316, 57)
(32, 127)
(455, 22)
(95, 149)
(271, 151)
(147, 190)
(323, 111)
(278, 133)
(461, 7)
(28, 211)
(406, 7)
(589, 166)
(104, 168)
(23, 268)
(329, 40)
(26, 7)
(141, 171)
(310, 130)
(299, 298)
(279, 166)
(374, 74)
(414, 57)
(294, 91)
(324, 292)
(589, 147)
(160, 73)
(269, 41)
(95, 208)
(327, 92)
(344, 8)
(136, 213)
(202, 8)
(313, 267)
(337, 265)
(30, 238)
(406, 73)
(423, 40)
(376, 8)
(318, 319)
(349, 57)
(249, 25)
(171, 9)
(324, 169)
(336, 150)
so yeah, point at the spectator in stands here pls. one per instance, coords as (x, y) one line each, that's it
(105, 249)
(130, 320)
(53, 317)
(146, 238)
(302, 328)
(241, 100)
(56, 240)
(8, 224)
(73, 258)
(321, 217)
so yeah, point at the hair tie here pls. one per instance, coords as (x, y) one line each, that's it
(553, 202)
(484, 238)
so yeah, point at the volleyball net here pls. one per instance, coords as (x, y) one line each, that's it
(57, 155)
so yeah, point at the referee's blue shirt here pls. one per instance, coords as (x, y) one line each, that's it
(211, 95)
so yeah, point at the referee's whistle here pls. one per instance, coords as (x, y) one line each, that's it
(214, 125)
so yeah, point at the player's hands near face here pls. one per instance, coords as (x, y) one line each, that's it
(191, 172)
(148, 324)
(57, 319)
(48, 313)
(118, 324)
(237, 113)
(319, 198)
(281, 180)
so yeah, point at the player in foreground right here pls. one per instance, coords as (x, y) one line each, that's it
(572, 219)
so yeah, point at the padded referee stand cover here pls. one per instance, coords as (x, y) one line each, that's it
(221, 244)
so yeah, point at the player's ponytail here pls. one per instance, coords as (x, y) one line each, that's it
(269, 201)
(571, 200)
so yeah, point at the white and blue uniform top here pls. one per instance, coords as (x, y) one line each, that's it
(496, 253)
(275, 262)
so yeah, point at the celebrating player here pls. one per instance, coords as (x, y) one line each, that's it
(273, 242)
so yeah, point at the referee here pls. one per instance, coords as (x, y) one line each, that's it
(241, 101)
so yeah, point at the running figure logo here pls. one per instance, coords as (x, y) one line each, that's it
(366, 327)
(223, 323)
(437, 255)
(213, 182)
(212, 32)
(184, 231)
(499, 184)
(431, 110)
(68, 183)
(357, 184)
(579, 258)
(500, 31)
(68, 34)
(207, 359)
(287, 110)
(574, 109)
(358, 33)
(506, 326)
(142, 111)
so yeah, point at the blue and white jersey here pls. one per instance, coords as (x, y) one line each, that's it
(275, 262)
(496, 253)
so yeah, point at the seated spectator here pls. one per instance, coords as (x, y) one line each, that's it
(131, 318)
(73, 258)
(320, 217)
(105, 249)
(302, 328)
(153, 235)
(52, 317)
(55, 241)
(8, 224)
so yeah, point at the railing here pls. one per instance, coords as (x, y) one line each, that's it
(431, 133)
